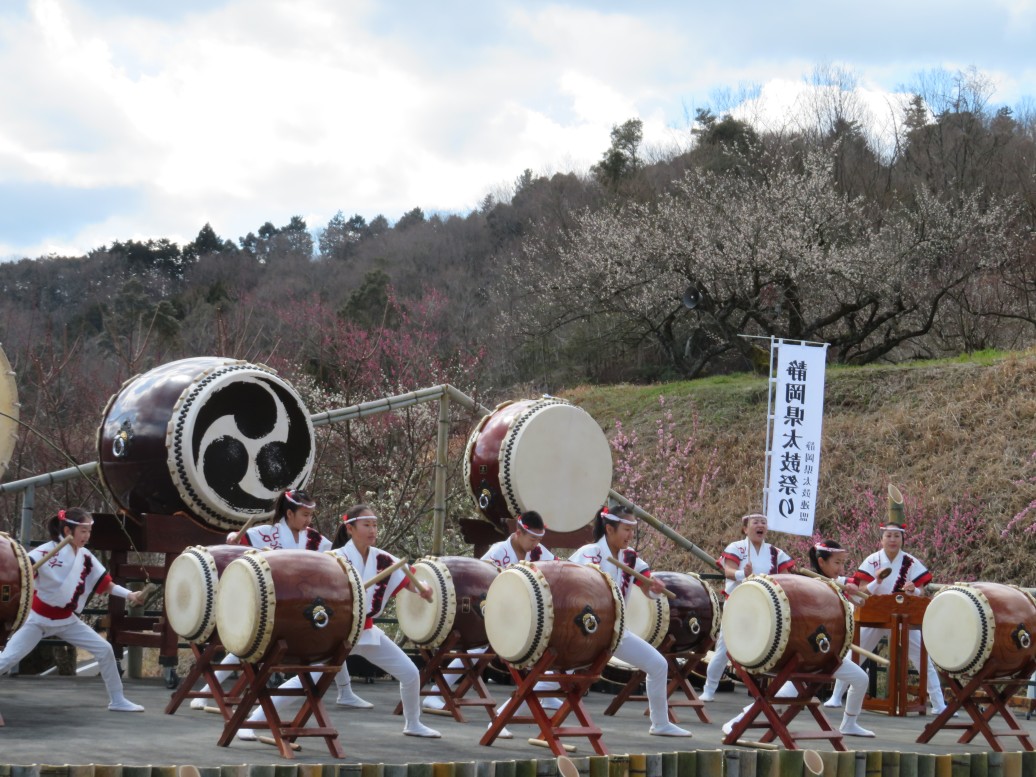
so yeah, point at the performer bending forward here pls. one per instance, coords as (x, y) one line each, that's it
(828, 559)
(361, 524)
(908, 575)
(613, 531)
(752, 555)
(63, 584)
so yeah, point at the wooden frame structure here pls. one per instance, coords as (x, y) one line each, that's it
(899, 613)
(436, 668)
(681, 664)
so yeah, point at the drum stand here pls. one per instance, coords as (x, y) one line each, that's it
(436, 667)
(256, 691)
(205, 668)
(573, 687)
(678, 674)
(996, 701)
(765, 700)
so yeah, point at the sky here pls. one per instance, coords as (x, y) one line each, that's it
(148, 119)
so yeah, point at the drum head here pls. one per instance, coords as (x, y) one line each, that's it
(519, 615)
(646, 617)
(190, 594)
(556, 460)
(958, 629)
(17, 581)
(245, 607)
(9, 408)
(428, 623)
(751, 621)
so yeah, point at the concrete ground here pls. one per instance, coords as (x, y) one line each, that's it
(65, 720)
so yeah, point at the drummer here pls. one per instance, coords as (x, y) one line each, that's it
(905, 574)
(523, 544)
(613, 530)
(291, 530)
(63, 585)
(828, 558)
(361, 525)
(752, 555)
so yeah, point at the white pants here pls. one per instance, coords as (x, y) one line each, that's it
(869, 639)
(847, 672)
(229, 658)
(74, 632)
(634, 650)
(717, 665)
(381, 651)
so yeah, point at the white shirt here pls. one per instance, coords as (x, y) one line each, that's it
(767, 560)
(280, 537)
(599, 553)
(905, 569)
(503, 554)
(68, 579)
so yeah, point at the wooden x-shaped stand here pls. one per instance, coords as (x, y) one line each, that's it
(437, 667)
(765, 700)
(204, 667)
(573, 687)
(256, 691)
(681, 664)
(998, 692)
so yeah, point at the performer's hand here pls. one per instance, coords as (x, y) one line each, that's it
(136, 598)
(656, 586)
(425, 592)
(748, 569)
(233, 537)
(909, 588)
(851, 590)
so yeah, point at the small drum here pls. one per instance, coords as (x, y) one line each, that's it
(459, 586)
(190, 589)
(573, 609)
(312, 601)
(692, 618)
(216, 438)
(769, 619)
(17, 583)
(544, 455)
(973, 626)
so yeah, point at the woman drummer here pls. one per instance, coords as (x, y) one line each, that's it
(63, 584)
(828, 558)
(361, 525)
(291, 530)
(613, 530)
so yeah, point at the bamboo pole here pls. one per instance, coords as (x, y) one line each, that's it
(441, 447)
(672, 534)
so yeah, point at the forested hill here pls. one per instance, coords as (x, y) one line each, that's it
(957, 438)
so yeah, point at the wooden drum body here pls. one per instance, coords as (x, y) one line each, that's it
(544, 455)
(575, 610)
(692, 618)
(769, 619)
(969, 627)
(17, 583)
(459, 586)
(216, 438)
(190, 589)
(312, 601)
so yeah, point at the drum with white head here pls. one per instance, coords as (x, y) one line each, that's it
(545, 455)
(770, 619)
(459, 586)
(190, 589)
(17, 583)
(691, 618)
(970, 627)
(572, 609)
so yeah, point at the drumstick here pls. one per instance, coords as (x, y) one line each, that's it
(271, 741)
(241, 532)
(385, 573)
(52, 552)
(884, 573)
(758, 745)
(868, 654)
(543, 743)
(642, 578)
(816, 575)
(414, 581)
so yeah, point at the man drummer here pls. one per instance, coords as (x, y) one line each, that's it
(523, 544)
(752, 555)
(906, 574)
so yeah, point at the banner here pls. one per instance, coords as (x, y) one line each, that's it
(793, 452)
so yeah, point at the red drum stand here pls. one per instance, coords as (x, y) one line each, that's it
(766, 702)
(436, 667)
(256, 691)
(573, 687)
(998, 692)
(681, 664)
(205, 668)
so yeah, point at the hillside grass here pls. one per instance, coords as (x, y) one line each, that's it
(952, 435)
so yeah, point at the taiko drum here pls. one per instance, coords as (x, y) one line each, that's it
(692, 618)
(459, 587)
(190, 589)
(16, 585)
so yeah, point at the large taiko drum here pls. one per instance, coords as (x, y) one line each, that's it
(190, 589)
(459, 586)
(692, 618)
(969, 627)
(770, 619)
(573, 609)
(312, 601)
(17, 583)
(544, 455)
(216, 438)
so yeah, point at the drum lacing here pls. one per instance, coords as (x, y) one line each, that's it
(438, 635)
(28, 578)
(262, 639)
(535, 648)
(507, 448)
(985, 613)
(210, 594)
(781, 639)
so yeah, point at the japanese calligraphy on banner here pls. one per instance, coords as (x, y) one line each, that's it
(793, 453)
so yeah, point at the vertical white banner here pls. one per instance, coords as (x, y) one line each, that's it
(794, 445)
